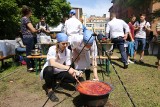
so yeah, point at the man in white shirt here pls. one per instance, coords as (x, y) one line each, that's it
(73, 27)
(140, 36)
(116, 28)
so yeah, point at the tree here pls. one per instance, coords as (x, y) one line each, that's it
(143, 5)
(9, 18)
(10, 14)
(53, 10)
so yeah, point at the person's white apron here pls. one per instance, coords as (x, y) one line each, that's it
(84, 59)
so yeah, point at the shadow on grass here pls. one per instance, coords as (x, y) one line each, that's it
(138, 63)
(68, 86)
(6, 66)
(60, 88)
(146, 64)
(115, 63)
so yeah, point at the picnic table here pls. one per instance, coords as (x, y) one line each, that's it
(107, 60)
(2, 58)
(36, 58)
(7, 50)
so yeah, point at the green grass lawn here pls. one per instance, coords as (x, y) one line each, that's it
(142, 82)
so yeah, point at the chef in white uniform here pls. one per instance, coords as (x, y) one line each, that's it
(54, 68)
(73, 27)
(83, 61)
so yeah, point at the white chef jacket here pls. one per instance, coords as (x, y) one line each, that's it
(73, 27)
(84, 61)
(65, 56)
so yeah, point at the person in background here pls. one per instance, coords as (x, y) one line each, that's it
(101, 38)
(63, 23)
(43, 28)
(140, 35)
(82, 62)
(27, 31)
(130, 39)
(116, 29)
(83, 26)
(55, 69)
(20, 47)
(158, 40)
(73, 27)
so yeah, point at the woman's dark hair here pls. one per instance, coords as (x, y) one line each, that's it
(42, 17)
(132, 16)
(25, 10)
(142, 14)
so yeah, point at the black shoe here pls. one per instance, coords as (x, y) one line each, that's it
(125, 66)
(52, 96)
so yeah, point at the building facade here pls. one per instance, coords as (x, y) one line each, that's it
(79, 12)
(97, 23)
(124, 12)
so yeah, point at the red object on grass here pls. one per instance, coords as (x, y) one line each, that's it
(23, 62)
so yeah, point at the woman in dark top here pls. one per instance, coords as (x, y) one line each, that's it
(27, 29)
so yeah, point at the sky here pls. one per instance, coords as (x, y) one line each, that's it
(92, 7)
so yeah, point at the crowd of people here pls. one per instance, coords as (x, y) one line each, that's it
(134, 35)
(77, 46)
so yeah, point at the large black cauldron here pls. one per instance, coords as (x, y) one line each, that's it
(91, 99)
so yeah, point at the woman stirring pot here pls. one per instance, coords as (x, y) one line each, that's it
(55, 69)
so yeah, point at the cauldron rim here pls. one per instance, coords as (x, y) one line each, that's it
(96, 95)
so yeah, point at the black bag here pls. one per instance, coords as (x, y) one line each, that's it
(150, 36)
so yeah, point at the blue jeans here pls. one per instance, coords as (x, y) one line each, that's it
(19, 49)
(29, 42)
(120, 44)
(142, 42)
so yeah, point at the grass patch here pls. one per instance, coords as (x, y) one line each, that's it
(142, 83)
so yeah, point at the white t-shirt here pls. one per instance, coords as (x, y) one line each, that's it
(84, 61)
(63, 57)
(116, 28)
(39, 25)
(73, 27)
(141, 33)
(19, 42)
